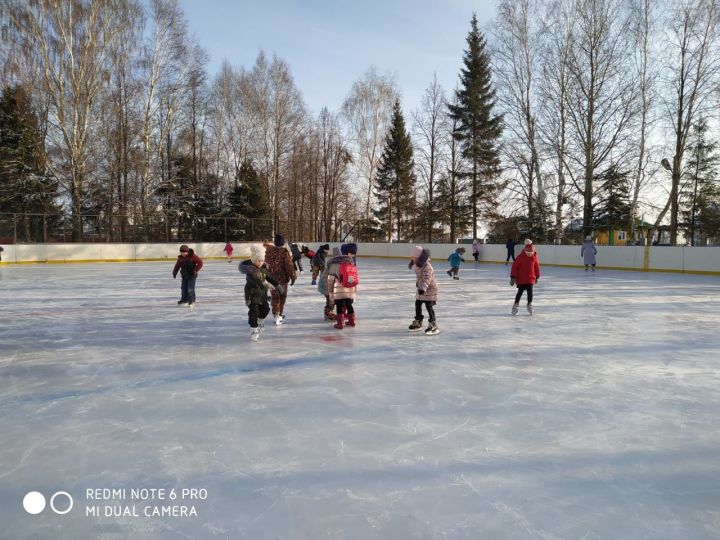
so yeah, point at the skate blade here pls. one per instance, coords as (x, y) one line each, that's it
(414, 329)
(433, 333)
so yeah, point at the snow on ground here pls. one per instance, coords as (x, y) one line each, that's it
(596, 418)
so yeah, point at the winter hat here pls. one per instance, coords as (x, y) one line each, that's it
(279, 240)
(324, 247)
(423, 257)
(184, 248)
(257, 254)
(460, 250)
(352, 248)
(336, 251)
(416, 251)
(529, 245)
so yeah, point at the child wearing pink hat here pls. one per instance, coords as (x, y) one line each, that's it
(525, 272)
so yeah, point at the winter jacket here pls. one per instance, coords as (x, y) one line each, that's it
(336, 291)
(279, 264)
(296, 255)
(188, 266)
(526, 268)
(319, 258)
(425, 280)
(228, 249)
(455, 260)
(510, 246)
(322, 279)
(258, 281)
(588, 252)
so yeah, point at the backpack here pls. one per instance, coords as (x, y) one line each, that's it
(348, 275)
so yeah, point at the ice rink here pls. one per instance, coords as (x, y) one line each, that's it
(596, 418)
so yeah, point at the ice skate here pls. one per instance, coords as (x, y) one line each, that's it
(278, 319)
(586, 268)
(182, 303)
(515, 308)
(415, 326)
(351, 320)
(456, 277)
(593, 268)
(314, 282)
(191, 304)
(432, 329)
(340, 324)
(449, 272)
(255, 334)
(261, 324)
(530, 309)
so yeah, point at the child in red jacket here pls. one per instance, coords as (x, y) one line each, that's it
(525, 272)
(188, 264)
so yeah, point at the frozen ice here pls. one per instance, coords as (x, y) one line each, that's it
(595, 418)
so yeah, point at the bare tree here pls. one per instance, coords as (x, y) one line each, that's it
(602, 98)
(72, 43)
(516, 62)
(427, 129)
(368, 110)
(692, 42)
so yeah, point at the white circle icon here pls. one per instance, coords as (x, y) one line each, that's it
(52, 503)
(34, 502)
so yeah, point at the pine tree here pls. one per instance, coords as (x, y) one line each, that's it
(25, 188)
(248, 201)
(700, 191)
(612, 211)
(395, 179)
(479, 129)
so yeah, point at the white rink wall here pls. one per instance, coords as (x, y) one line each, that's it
(704, 260)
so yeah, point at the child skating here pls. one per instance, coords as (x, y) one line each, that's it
(318, 262)
(322, 287)
(228, 249)
(525, 272)
(188, 264)
(258, 281)
(425, 292)
(342, 282)
(588, 252)
(455, 259)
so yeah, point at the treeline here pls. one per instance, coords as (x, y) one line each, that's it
(562, 115)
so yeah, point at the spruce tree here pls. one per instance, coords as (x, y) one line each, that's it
(248, 201)
(25, 188)
(479, 128)
(700, 190)
(395, 179)
(613, 208)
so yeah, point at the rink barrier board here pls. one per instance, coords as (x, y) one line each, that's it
(678, 259)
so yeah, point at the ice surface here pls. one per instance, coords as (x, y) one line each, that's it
(596, 418)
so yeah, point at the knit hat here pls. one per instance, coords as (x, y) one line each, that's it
(184, 248)
(416, 251)
(352, 248)
(460, 250)
(279, 240)
(257, 253)
(529, 246)
(324, 247)
(423, 257)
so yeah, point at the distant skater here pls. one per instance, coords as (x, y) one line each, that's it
(279, 263)
(426, 291)
(510, 246)
(588, 251)
(318, 262)
(455, 259)
(188, 264)
(229, 250)
(476, 249)
(525, 272)
(296, 257)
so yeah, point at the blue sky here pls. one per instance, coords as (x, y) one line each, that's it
(330, 44)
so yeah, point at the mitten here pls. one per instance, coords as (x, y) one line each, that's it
(410, 264)
(174, 275)
(421, 292)
(512, 281)
(292, 282)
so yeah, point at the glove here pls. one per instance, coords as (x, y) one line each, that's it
(537, 279)
(292, 282)
(174, 275)
(421, 292)
(410, 264)
(512, 281)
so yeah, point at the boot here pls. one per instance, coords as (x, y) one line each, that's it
(255, 334)
(416, 325)
(278, 318)
(432, 329)
(449, 272)
(530, 309)
(351, 320)
(340, 324)
(329, 315)
(515, 308)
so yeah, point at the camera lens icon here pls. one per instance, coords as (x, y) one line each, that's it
(61, 502)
